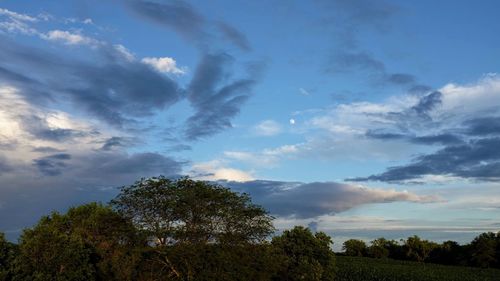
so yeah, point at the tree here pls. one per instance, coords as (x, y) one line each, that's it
(417, 249)
(484, 250)
(89, 242)
(308, 256)
(379, 248)
(355, 247)
(8, 252)
(188, 211)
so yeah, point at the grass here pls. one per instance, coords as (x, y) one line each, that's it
(368, 269)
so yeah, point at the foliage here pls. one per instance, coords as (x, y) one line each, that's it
(188, 211)
(89, 242)
(370, 269)
(355, 247)
(308, 256)
(8, 251)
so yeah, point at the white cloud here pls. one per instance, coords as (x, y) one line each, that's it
(215, 170)
(164, 65)
(304, 92)
(267, 128)
(126, 53)
(69, 38)
(17, 16)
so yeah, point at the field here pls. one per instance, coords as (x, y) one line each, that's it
(368, 269)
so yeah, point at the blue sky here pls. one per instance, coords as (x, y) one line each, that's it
(359, 118)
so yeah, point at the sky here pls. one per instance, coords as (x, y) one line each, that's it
(359, 118)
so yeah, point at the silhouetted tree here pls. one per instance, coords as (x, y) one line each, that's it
(188, 211)
(308, 256)
(355, 248)
(483, 250)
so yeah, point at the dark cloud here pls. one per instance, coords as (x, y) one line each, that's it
(401, 78)
(348, 61)
(46, 149)
(112, 88)
(39, 128)
(483, 126)
(52, 165)
(116, 142)
(428, 103)
(443, 139)
(233, 35)
(188, 22)
(4, 166)
(177, 15)
(215, 104)
(478, 159)
(94, 176)
(309, 200)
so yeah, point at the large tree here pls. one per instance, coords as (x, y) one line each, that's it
(194, 212)
(308, 256)
(89, 242)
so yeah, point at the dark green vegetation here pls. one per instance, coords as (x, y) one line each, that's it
(483, 251)
(371, 269)
(162, 229)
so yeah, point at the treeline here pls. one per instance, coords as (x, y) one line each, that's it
(161, 229)
(483, 251)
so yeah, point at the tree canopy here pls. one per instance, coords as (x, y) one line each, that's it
(189, 211)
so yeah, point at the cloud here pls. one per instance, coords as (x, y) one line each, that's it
(69, 38)
(477, 159)
(233, 35)
(462, 119)
(188, 22)
(267, 128)
(112, 88)
(215, 104)
(164, 65)
(40, 174)
(352, 61)
(52, 165)
(215, 170)
(309, 200)
(176, 15)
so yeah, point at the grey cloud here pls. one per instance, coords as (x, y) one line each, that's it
(443, 139)
(4, 166)
(116, 142)
(344, 61)
(483, 126)
(215, 104)
(94, 176)
(40, 129)
(309, 200)
(478, 159)
(232, 34)
(178, 15)
(52, 165)
(400, 78)
(111, 88)
(187, 21)
(428, 102)
(46, 149)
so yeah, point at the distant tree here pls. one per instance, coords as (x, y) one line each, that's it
(379, 248)
(8, 252)
(89, 242)
(449, 252)
(483, 250)
(417, 249)
(308, 256)
(355, 248)
(188, 211)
